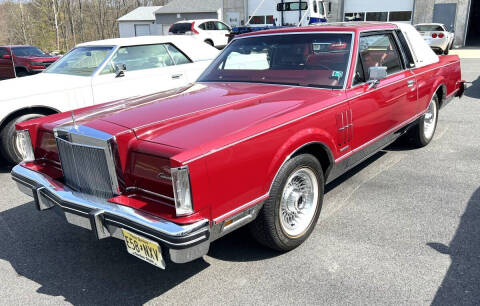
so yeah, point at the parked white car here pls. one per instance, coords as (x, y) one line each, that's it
(213, 32)
(98, 72)
(437, 36)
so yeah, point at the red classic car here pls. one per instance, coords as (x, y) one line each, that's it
(274, 118)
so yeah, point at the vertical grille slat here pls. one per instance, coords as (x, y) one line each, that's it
(85, 168)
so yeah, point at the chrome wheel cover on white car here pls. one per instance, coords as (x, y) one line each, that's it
(430, 120)
(299, 202)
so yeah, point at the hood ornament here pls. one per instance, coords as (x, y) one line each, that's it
(75, 126)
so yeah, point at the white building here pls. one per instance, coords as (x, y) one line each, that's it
(139, 22)
(156, 20)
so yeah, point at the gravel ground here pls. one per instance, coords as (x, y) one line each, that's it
(402, 228)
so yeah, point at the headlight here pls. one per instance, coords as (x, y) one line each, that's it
(182, 191)
(24, 145)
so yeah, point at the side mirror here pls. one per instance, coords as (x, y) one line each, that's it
(120, 70)
(6, 56)
(375, 75)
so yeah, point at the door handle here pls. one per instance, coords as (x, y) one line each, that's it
(411, 83)
(177, 76)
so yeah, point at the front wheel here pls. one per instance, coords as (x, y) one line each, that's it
(11, 148)
(424, 130)
(290, 214)
(21, 73)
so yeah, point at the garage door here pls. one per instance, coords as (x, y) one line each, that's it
(374, 10)
(142, 29)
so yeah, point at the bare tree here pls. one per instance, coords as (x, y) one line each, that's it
(61, 24)
(55, 17)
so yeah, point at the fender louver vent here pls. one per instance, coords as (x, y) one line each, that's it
(345, 128)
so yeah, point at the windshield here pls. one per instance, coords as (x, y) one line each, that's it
(428, 27)
(292, 6)
(82, 61)
(28, 51)
(314, 60)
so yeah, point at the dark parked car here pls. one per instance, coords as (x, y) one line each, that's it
(23, 60)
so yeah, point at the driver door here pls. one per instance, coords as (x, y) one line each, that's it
(149, 69)
(381, 110)
(222, 31)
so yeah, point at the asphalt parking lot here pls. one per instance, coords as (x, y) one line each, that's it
(402, 228)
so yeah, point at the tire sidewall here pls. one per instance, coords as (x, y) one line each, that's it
(424, 141)
(300, 161)
(8, 137)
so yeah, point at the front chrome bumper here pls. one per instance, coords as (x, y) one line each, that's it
(183, 242)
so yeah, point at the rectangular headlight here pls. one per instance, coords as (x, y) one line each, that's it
(24, 145)
(182, 191)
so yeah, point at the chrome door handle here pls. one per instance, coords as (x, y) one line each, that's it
(411, 83)
(177, 76)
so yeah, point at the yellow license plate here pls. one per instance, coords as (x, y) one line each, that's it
(144, 249)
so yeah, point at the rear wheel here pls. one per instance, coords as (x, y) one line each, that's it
(423, 132)
(446, 50)
(10, 146)
(291, 212)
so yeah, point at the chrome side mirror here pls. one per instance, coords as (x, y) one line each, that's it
(120, 70)
(375, 75)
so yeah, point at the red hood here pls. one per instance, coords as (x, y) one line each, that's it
(207, 114)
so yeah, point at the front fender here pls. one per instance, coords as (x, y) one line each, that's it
(20, 95)
(297, 142)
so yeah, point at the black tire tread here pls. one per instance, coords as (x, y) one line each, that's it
(264, 228)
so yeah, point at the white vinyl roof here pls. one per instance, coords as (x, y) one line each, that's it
(195, 49)
(142, 13)
(423, 55)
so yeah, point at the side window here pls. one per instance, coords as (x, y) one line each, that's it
(359, 76)
(210, 26)
(315, 6)
(222, 27)
(320, 5)
(410, 63)
(202, 26)
(140, 58)
(379, 50)
(178, 57)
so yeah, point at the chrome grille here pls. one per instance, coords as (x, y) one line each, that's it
(86, 168)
